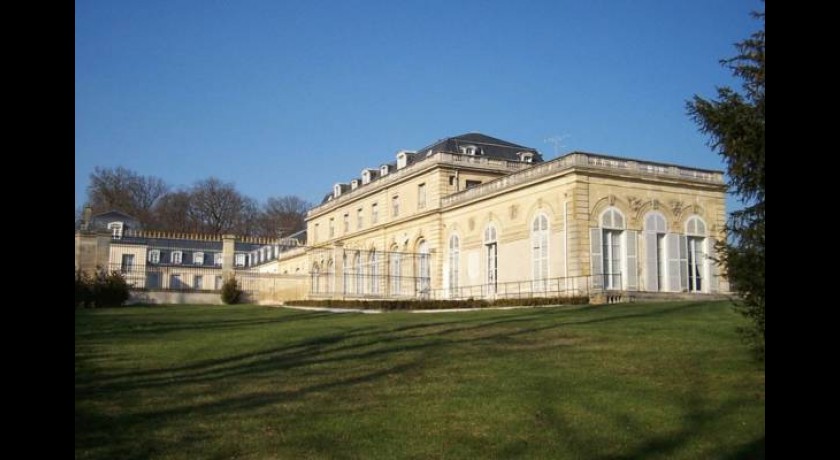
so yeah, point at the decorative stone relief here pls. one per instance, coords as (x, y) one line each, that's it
(677, 207)
(514, 211)
(635, 203)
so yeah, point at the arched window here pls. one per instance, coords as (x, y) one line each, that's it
(454, 264)
(656, 259)
(330, 273)
(316, 278)
(423, 269)
(491, 255)
(612, 226)
(373, 272)
(539, 253)
(396, 271)
(695, 232)
(357, 266)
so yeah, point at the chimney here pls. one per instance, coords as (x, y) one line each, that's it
(86, 214)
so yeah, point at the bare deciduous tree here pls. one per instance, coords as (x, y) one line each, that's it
(283, 215)
(125, 190)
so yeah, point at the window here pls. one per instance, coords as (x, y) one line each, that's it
(359, 219)
(177, 256)
(374, 213)
(217, 258)
(656, 262)
(116, 229)
(469, 150)
(421, 196)
(472, 183)
(695, 230)
(424, 280)
(153, 280)
(198, 258)
(373, 272)
(315, 233)
(491, 258)
(332, 227)
(395, 206)
(127, 263)
(175, 281)
(539, 253)
(396, 271)
(358, 268)
(316, 278)
(154, 256)
(454, 262)
(612, 225)
(198, 282)
(451, 180)
(239, 260)
(346, 223)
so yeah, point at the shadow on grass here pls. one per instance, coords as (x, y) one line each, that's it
(409, 346)
(359, 344)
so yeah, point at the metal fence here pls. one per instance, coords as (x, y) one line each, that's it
(172, 277)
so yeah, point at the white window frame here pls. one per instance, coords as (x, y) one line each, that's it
(540, 252)
(198, 258)
(454, 263)
(176, 258)
(374, 213)
(218, 257)
(612, 222)
(239, 260)
(697, 254)
(395, 206)
(491, 258)
(126, 263)
(423, 269)
(154, 256)
(198, 282)
(116, 230)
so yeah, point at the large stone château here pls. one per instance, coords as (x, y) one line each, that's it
(475, 216)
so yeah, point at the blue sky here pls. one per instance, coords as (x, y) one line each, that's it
(289, 97)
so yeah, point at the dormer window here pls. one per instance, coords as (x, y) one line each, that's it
(176, 257)
(239, 260)
(154, 256)
(367, 176)
(526, 157)
(198, 258)
(354, 184)
(470, 150)
(402, 158)
(336, 190)
(384, 170)
(116, 229)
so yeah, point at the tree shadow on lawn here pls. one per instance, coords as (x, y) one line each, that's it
(135, 327)
(359, 344)
(365, 344)
(701, 418)
(118, 435)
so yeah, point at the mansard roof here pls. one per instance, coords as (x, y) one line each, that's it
(490, 147)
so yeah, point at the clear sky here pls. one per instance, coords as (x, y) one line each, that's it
(289, 97)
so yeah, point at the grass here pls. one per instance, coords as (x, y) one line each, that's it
(668, 380)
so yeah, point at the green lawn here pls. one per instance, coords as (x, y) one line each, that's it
(668, 380)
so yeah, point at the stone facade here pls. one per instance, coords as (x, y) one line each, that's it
(493, 220)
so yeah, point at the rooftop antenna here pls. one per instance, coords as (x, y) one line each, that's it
(558, 142)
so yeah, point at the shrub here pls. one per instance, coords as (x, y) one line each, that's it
(84, 290)
(231, 292)
(109, 289)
